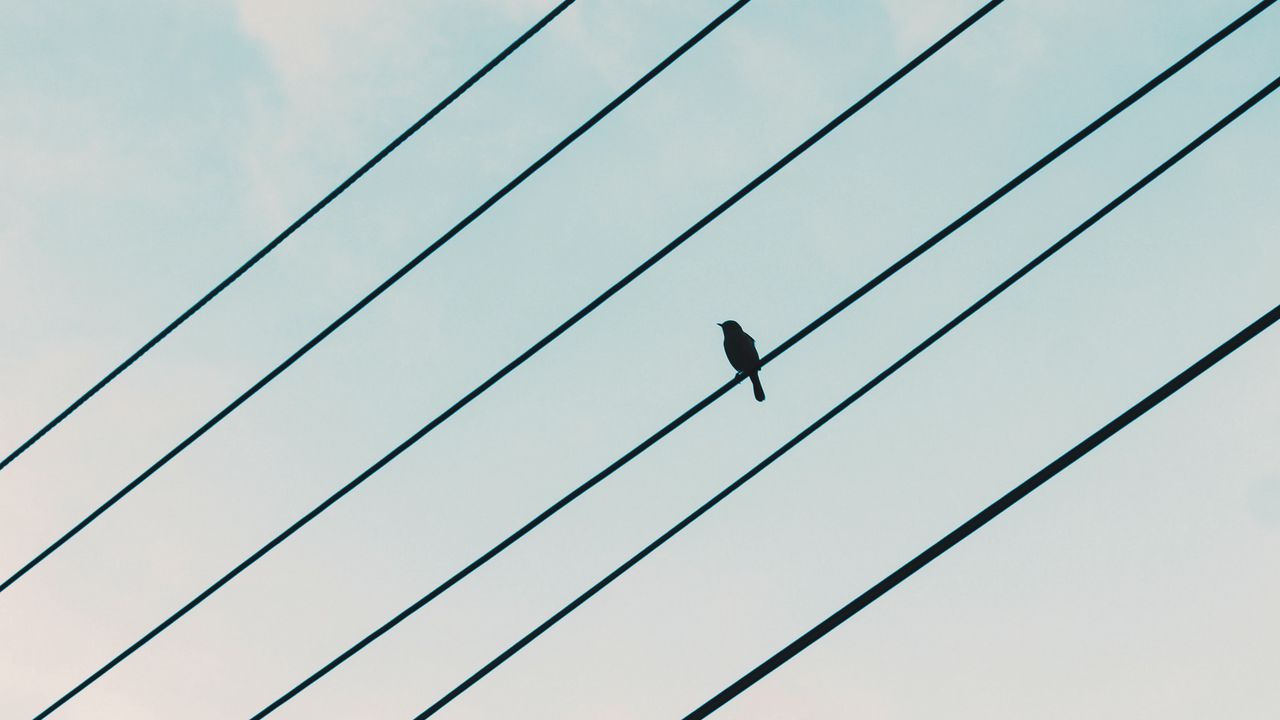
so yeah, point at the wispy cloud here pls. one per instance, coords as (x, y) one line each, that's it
(917, 23)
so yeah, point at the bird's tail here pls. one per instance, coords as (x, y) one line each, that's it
(757, 387)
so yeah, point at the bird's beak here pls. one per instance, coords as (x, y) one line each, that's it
(720, 324)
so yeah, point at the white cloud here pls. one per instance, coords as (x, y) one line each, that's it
(337, 70)
(918, 23)
(311, 43)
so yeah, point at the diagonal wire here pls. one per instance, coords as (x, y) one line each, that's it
(302, 220)
(988, 514)
(350, 313)
(654, 259)
(698, 37)
(840, 407)
(720, 209)
(726, 387)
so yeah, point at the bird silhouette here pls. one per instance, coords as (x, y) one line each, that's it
(740, 348)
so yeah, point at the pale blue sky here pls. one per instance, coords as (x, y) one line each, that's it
(149, 147)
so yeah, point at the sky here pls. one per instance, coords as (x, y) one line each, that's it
(150, 147)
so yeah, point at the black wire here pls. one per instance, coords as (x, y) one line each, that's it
(266, 249)
(698, 37)
(987, 515)
(707, 219)
(760, 179)
(723, 389)
(378, 291)
(804, 434)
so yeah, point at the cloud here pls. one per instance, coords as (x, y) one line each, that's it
(336, 71)
(308, 44)
(916, 23)
(1022, 39)
(311, 43)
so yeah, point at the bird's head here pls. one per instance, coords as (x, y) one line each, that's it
(730, 326)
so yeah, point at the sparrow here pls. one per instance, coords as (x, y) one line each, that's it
(740, 348)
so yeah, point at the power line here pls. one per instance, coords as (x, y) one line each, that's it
(758, 180)
(723, 389)
(266, 379)
(804, 434)
(698, 37)
(266, 249)
(654, 259)
(720, 209)
(987, 515)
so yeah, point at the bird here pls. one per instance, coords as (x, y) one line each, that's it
(740, 348)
